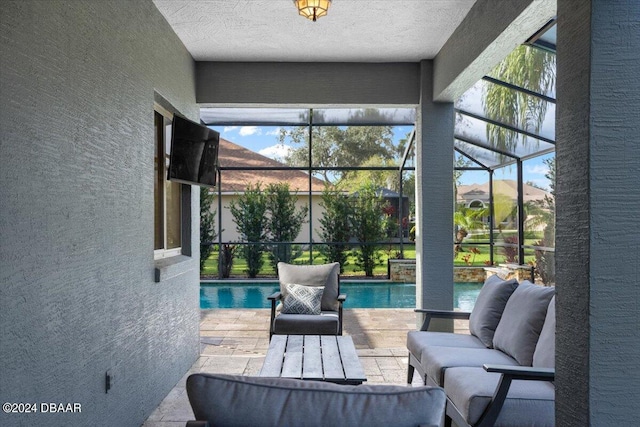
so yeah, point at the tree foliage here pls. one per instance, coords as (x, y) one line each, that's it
(335, 226)
(249, 215)
(335, 146)
(504, 208)
(368, 226)
(466, 219)
(284, 221)
(207, 225)
(545, 260)
(533, 69)
(380, 178)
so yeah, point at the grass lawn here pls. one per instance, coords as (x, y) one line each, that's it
(351, 269)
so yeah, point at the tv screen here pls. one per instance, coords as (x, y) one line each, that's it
(194, 153)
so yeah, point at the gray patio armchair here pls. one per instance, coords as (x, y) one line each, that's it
(309, 301)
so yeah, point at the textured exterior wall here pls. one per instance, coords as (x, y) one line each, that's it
(598, 199)
(434, 200)
(310, 84)
(77, 289)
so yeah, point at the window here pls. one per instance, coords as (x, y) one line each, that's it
(167, 194)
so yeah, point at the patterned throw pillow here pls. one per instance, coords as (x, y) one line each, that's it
(301, 299)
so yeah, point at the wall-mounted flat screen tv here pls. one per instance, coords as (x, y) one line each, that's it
(194, 153)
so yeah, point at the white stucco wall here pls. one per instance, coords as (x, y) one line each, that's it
(230, 234)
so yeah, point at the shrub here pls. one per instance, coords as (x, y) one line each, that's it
(335, 226)
(251, 223)
(545, 264)
(368, 226)
(207, 225)
(284, 222)
(227, 252)
(510, 253)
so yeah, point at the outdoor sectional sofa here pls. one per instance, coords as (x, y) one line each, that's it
(502, 373)
(228, 400)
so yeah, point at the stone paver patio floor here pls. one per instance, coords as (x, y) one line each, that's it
(235, 341)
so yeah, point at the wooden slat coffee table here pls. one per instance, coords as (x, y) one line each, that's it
(313, 357)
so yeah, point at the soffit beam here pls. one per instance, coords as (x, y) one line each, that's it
(491, 30)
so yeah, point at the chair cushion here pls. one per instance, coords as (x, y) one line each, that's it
(302, 299)
(436, 361)
(328, 323)
(528, 403)
(545, 354)
(313, 275)
(489, 306)
(519, 328)
(419, 340)
(253, 401)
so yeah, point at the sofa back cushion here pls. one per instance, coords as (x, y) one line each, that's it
(227, 400)
(545, 354)
(489, 306)
(519, 328)
(313, 275)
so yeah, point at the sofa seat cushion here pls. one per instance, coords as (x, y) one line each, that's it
(253, 401)
(327, 323)
(436, 360)
(489, 306)
(418, 340)
(522, 320)
(528, 403)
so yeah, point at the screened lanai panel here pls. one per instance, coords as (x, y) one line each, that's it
(549, 36)
(465, 161)
(354, 146)
(547, 40)
(255, 116)
(364, 116)
(516, 109)
(498, 138)
(529, 68)
(483, 156)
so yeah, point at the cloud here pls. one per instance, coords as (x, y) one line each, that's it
(274, 132)
(229, 129)
(276, 152)
(249, 130)
(538, 169)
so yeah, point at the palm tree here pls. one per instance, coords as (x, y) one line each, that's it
(466, 219)
(527, 67)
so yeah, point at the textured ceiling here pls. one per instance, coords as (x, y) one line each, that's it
(353, 30)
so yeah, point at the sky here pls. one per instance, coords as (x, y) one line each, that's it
(264, 140)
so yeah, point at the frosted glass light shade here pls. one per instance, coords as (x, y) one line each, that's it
(312, 9)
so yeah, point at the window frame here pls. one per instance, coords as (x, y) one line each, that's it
(160, 146)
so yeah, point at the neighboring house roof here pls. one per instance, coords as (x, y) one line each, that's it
(508, 187)
(233, 155)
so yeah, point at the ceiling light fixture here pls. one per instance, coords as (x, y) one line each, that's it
(312, 9)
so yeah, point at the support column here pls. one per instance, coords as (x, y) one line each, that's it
(434, 201)
(521, 214)
(597, 222)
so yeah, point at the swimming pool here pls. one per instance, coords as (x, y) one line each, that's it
(360, 294)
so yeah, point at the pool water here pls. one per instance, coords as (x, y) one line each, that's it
(360, 294)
